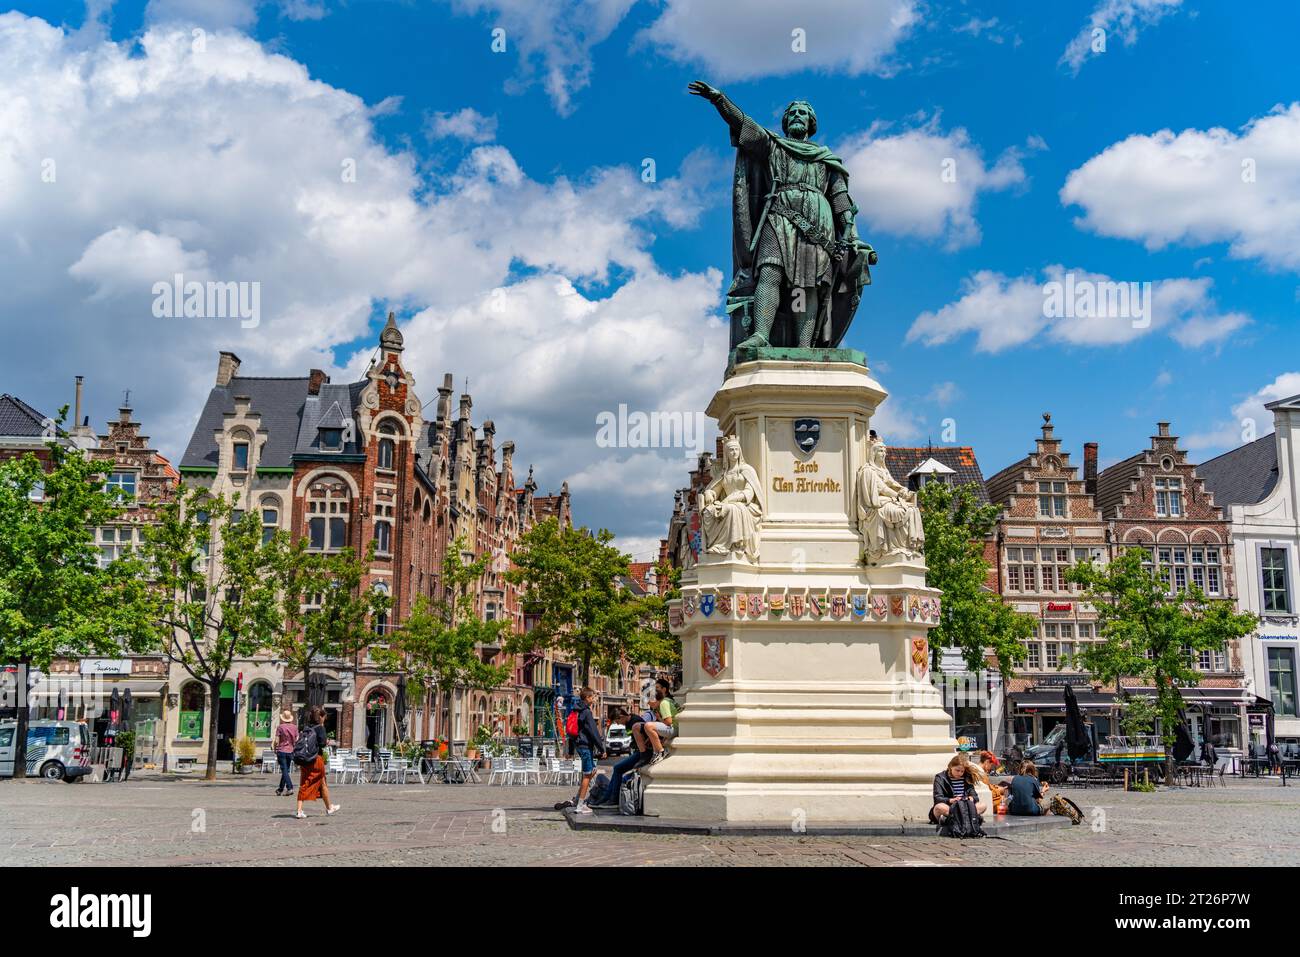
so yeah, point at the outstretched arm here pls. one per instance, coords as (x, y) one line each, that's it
(728, 110)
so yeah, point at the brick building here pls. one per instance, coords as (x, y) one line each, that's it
(1049, 521)
(347, 464)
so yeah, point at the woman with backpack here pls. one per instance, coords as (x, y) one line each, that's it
(956, 783)
(309, 754)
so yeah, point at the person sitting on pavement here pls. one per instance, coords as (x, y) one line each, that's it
(990, 764)
(956, 783)
(1027, 797)
(630, 720)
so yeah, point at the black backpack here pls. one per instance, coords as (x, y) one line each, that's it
(963, 821)
(306, 749)
(631, 795)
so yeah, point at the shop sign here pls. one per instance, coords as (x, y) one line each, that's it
(105, 666)
(1059, 606)
(1055, 533)
(1060, 681)
(1256, 720)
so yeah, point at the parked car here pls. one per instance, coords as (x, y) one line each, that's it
(56, 750)
(617, 740)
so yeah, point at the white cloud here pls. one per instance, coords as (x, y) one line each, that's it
(924, 182)
(1122, 18)
(1200, 186)
(756, 39)
(553, 39)
(945, 393)
(468, 125)
(1250, 419)
(219, 14)
(1005, 312)
(243, 181)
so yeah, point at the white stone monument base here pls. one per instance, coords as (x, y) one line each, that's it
(806, 686)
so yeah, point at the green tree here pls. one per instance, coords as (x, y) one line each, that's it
(1152, 633)
(55, 599)
(324, 612)
(438, 646)
(209, 620)
(973, 619)
(570, 582)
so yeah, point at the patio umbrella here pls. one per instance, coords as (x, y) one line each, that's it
(315, 694)
(1077, 740)
(114, 708)
(126, 708)
(399, 707)
(1183, 743)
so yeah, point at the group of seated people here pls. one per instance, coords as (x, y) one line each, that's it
(1020, 795)
(651, 730)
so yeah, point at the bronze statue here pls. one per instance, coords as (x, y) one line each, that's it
(799, 266)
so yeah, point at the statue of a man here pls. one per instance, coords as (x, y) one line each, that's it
(888, 516)
(799, 266)
(731, 507)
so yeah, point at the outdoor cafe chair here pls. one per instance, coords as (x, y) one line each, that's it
(500, 769)
(336, 767)
(353, 766)
(567, 771)
(269, 763)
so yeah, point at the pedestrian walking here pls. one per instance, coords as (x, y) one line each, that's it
(314, 786)
(286, 736)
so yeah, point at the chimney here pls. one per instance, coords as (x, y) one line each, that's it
(315, 380)
(76, 415)
(1162, 430)
(227, 368)
(1090, 467)
(466, 403)
(444, 398)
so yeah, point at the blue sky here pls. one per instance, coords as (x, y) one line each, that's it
(531, 159)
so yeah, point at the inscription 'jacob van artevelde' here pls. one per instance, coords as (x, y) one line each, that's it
(782, 484)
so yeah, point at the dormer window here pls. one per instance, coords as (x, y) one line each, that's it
(240, 456)
(331, 440)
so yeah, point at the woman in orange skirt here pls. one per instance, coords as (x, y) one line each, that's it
(313, 785)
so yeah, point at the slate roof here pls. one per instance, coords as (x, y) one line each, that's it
(1244, 476)
(1113, 482)
(329, 410)
(279, 401)
(18, 419)
(902, 461)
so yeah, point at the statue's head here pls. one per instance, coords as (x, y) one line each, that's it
(732, 449)
(878, 450)
(799, 121)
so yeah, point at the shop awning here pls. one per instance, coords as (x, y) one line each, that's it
(76, 688)
(1055, 698)
(1206, 695)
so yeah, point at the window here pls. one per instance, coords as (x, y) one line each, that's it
(191, 716)
(241, 456)
(1021, 576)
(331, 440)
(1272, 562)
(1051, 500)
(1281, 681)
(328, 510)
(1053, 654)
(37, 492)
(381, 626)
(1085, 630)
(114, 542)
(1205, 570)
(121, 484)
(1169, 497)
(270, 523)
(259, 710)
(383, 537)
(387, 446)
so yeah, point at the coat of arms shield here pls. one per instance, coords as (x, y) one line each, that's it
(806, 434)
(713, 654)
(707, 604)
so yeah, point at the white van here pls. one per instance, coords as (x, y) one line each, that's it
(56, 750)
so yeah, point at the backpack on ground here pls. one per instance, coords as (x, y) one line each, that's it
(1066, 808)
(571, 724)
(631, 796)
(599, 790)
(306, 749)
(963, 821)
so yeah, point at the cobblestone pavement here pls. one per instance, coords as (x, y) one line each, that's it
(170, 821)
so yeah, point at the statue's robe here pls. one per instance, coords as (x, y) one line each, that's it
(812, 182)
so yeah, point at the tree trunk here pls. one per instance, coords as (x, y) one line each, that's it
(214, 718)
(451, 722)
(21, 691)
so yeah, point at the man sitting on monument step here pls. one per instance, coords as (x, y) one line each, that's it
(653, 734)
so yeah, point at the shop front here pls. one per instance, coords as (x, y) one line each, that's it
(1034, 712)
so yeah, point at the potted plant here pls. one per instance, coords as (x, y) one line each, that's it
(245, 755)
(519, 730)
(475, 745)
(126, 741)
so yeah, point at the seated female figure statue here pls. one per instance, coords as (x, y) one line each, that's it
(888, 516)
(731, 507)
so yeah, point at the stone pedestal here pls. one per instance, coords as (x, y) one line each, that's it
(806, 688)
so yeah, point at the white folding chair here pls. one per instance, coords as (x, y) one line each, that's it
(336, 766)
(500, 769)
(269, 762)
(352, 766)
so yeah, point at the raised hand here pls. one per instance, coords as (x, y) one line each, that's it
(700, 88)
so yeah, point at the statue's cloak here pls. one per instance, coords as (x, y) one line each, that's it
(751, 190)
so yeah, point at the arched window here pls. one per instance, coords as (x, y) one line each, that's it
(270, 517)
(383, 537)
(191, 716)
(259, 710)
(328, 510)
(387, 447)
